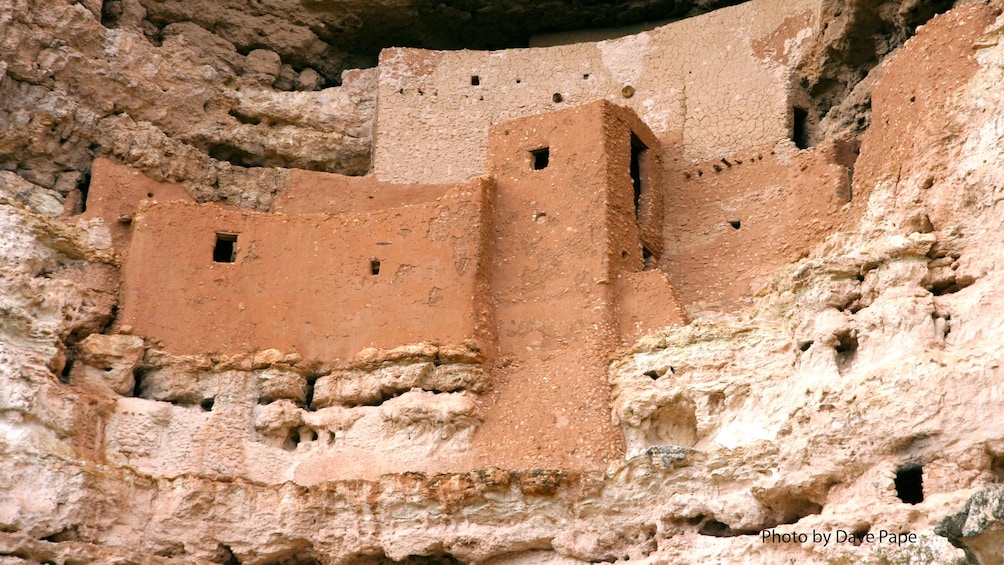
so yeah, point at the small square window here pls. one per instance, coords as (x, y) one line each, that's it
(541, 158)
(475, 80)
(226, 248)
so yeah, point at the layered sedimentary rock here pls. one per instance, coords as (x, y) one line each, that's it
(851, 391)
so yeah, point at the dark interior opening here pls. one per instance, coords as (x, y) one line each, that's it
(225, 556)
(638, 150)
(541, 158)
(736, 223)
(647, 258)
(374, 266)
(475, 80)
(226, 248)
(910, 484)
(800, 131)
(84, 186)
(64, 375)
(207, 404)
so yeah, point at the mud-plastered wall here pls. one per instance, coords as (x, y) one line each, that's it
(707, 86)
(202, 278)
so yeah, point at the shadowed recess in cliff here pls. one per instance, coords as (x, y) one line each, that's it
(856, 36)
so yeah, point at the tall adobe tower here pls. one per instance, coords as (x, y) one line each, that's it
(577, 215)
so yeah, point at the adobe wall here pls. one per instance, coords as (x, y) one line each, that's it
(307, 282)
(705, 93)
(313, 192)
(730, 224)
(115, 193)
(563, 235)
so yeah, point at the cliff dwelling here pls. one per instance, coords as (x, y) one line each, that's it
(318, 283)
(525, 219)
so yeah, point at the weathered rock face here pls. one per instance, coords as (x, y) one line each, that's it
(857, 394)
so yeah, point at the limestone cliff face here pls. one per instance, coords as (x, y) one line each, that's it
(856, 394)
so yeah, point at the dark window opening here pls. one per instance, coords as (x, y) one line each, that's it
(585, 76)
(226, 248)
(374, 266)
(638, 150)
(207, 404)
(800, 130)
(475, 80)
(556, 97)
(541, 158)
(736, 224)
(652, 375)
(910, 484)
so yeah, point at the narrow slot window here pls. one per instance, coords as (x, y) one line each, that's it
(374, 266)
(226, 248)
(638, 150)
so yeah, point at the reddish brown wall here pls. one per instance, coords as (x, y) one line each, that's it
(311, 192)
(115, 193)
(786, 202)
(563, 234)
(304, 282)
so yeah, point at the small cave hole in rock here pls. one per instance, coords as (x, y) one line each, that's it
(71, 533)
(804, 345)
(638, 150)
(858, 535)
(624, 255)
(910, 484)
(800, 128)
(847, 347)
(225, 556)
(244, 118)
(735, 223)
(138, 374)
(111, 11)
(652, 375)
(997, 468)
(84, 186)
(541, 158)
(717, 529)
(207, 404)
(475, 80)
(292, 440)
(64, 375)
(225, 250)
(309, 396)
(233, 155)
(585, 76)
(374, 266)
(556, 97)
